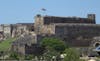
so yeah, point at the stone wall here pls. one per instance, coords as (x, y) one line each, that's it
(19, 45)
(74, 34)
(1, 33)
(15, 30)
(42, 23)
(57, 19)
(1, 36)
(53, 19)
(38, 25)
(7, 31)
(77, 34)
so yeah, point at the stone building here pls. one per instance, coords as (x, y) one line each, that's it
(42, 23)
(1, 33)
(1, 36)
(20, 28)
(21, 44)
(76, 34)
(75, 31)
(1, 27)
(29, 26)
(5, 30)
(14, 30)
(17, 30)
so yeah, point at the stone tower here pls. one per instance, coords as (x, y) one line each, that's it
(91, 17)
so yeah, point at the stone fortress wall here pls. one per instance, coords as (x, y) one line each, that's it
(72, 30)
(75, 31)
(43, 22)
(14, 30)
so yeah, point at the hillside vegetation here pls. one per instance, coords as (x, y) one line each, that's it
(6, 44)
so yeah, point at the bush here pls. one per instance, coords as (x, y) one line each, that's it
(71, 55)
(14, 56)
(29, 57)
(50, 53)
(54, 43)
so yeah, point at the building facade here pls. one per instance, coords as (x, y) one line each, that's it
(75, 31)
(44, 22)
(14, 30)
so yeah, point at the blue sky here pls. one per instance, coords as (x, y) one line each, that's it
(15, 11)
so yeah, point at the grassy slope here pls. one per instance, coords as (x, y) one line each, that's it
(6, 44)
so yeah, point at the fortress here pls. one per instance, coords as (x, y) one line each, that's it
(74, 31)
(14, 30)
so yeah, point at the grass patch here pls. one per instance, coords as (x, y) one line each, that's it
(6, 44)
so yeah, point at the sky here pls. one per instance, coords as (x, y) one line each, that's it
(23, 11)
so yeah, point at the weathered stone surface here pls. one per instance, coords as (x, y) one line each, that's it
(14, 30)
(75, 31)
(19, 45)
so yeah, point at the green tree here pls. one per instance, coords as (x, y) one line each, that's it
(29, 57)
(71, 55)
(50, 53)
(56, 44)
(14, 56)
